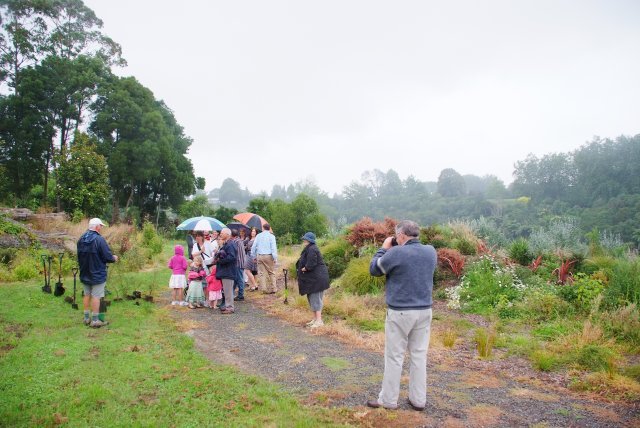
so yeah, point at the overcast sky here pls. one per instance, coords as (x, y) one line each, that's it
(329, 89)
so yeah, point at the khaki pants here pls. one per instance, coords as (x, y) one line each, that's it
(402, 330)
(265, 268)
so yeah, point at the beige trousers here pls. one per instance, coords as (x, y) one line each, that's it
(266, 269)
(405, 330)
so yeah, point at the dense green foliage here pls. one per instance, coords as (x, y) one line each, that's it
(55, 70)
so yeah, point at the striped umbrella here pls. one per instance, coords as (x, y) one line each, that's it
(251, 220)
(201, 223)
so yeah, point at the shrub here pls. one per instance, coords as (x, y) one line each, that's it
(151, 240)
(587, 289)
(464, 238)
(623, 323)
(336, 254)
(633, 372)
(10, 228)
(25, 266)
(134, 259)
(542, 304)
(562, 237)
(519, 251)
(487, 230)
(450, 260)
(365, 231)
(624, 284)
(609, 385)
(595, 357)
(484, 284)
(436, 235)
(357, 280)
(551, 330)
(293, 273)
(465, 246)
(544, 361)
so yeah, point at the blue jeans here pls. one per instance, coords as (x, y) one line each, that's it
(239, 282)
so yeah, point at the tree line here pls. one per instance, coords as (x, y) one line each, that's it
(73, 135)
(598, 185)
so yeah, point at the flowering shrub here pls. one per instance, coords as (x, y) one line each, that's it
(486, 284)
(365, 231)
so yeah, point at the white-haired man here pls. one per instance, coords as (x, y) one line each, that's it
(93, 255)
(226, 269)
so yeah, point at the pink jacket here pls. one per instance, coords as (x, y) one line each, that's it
(213, 283)
(177, 263)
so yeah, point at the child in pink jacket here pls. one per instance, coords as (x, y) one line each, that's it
(214, 288)
(177, 283)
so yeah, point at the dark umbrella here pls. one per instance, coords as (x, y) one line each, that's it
(234, 225)
(251, 220)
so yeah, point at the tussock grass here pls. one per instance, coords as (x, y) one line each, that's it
(615, 386)
(485, 341)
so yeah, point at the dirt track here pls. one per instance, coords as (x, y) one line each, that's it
(321, 370)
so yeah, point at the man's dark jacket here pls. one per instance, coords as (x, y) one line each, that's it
(226, 261)
(93, 256)
(316, 277)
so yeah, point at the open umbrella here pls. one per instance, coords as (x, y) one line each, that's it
(251, 220)
(201, 223)
(234, 225)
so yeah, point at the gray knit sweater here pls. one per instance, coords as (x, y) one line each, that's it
(409, 270)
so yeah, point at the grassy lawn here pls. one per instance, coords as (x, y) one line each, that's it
(139, 371)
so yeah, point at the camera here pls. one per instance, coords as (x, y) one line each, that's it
(394, 241)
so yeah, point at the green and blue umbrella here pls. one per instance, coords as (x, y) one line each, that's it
(201, 223)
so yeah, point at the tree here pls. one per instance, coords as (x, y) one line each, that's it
(25, 144)
(230, 191)
(307, 217)
(260, 206)
(32, 29)
(195, 207)
(83, 178)
(451, 183)
(144, 146)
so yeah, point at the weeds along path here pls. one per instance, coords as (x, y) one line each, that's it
(324, 371)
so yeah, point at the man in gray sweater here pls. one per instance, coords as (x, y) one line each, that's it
(409, 268)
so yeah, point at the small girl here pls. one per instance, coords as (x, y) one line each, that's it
(214, 288)
(195, 296)
(178, 266)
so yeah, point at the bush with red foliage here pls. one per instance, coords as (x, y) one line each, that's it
(451, 260)
(365, 231)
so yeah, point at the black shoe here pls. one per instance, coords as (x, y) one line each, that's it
(414, 407)
(240, 299)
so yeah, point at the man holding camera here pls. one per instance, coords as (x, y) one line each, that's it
(409, 268)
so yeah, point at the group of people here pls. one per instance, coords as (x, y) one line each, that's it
(219, 263)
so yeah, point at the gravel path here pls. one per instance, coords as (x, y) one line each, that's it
(323, 371)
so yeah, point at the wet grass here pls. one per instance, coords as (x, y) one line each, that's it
(139, 371)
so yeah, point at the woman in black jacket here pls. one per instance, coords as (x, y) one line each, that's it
(313, 277)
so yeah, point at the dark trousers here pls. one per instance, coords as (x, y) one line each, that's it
(239, 282)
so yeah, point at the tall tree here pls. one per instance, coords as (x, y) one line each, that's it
(451, 183)
(144, 146)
